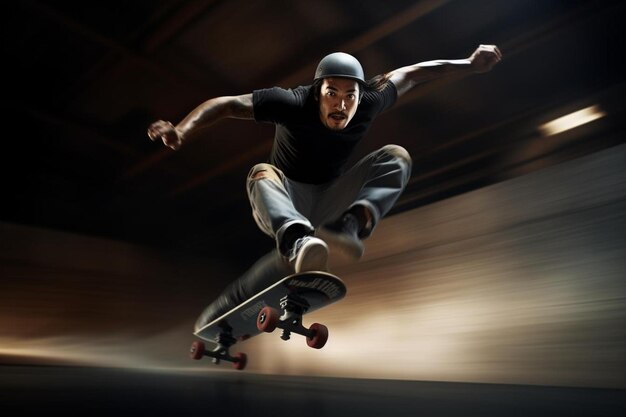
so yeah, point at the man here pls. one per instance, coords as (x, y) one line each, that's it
(306, 197)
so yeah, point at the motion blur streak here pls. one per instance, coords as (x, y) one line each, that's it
(113, 351)
(520, 282)
(572, 120)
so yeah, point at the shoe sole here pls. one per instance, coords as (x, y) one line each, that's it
(342, 244)
(313, 256)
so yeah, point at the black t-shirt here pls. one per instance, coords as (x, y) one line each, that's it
(304, 149)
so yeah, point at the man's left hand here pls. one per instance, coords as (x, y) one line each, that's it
(485, 57)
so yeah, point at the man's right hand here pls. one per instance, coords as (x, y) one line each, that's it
(171, 137)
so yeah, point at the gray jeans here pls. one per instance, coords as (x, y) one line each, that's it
(375, 182)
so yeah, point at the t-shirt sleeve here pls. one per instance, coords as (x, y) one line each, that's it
(274, 105)
(382, 100)
(390, 96)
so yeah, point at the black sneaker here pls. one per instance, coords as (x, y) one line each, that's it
(309, 254)
(344, 236)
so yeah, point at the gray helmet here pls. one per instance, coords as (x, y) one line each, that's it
(340, 64)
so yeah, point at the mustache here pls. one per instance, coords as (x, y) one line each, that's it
(337, 113)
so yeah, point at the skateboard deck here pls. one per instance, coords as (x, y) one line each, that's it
(281, 305)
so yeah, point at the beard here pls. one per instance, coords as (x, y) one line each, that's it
(336, 120)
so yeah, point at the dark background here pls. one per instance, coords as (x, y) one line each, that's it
(82, 81)
(110, 244)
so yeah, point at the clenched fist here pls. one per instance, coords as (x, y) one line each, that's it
(165, 131)
(484, 58)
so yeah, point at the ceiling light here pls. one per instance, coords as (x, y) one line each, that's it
(572, 120)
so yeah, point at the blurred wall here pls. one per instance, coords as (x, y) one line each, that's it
(520, 282)
(73, 298)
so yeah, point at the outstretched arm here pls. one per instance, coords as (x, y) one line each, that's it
(482, 60)
(209, 112)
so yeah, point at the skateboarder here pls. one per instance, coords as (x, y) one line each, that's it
(306, 197)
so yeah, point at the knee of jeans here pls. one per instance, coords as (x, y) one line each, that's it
(260, 171)
(398, 151)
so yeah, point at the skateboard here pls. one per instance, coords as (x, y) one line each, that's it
(282, 306)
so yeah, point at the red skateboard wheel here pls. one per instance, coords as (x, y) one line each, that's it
(320, 336)
(197, 350)
(267, 320)
(241, 361)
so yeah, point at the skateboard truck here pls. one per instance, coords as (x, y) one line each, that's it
(293, 307)
(224, 341)
(291, 321)
(281, 305)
